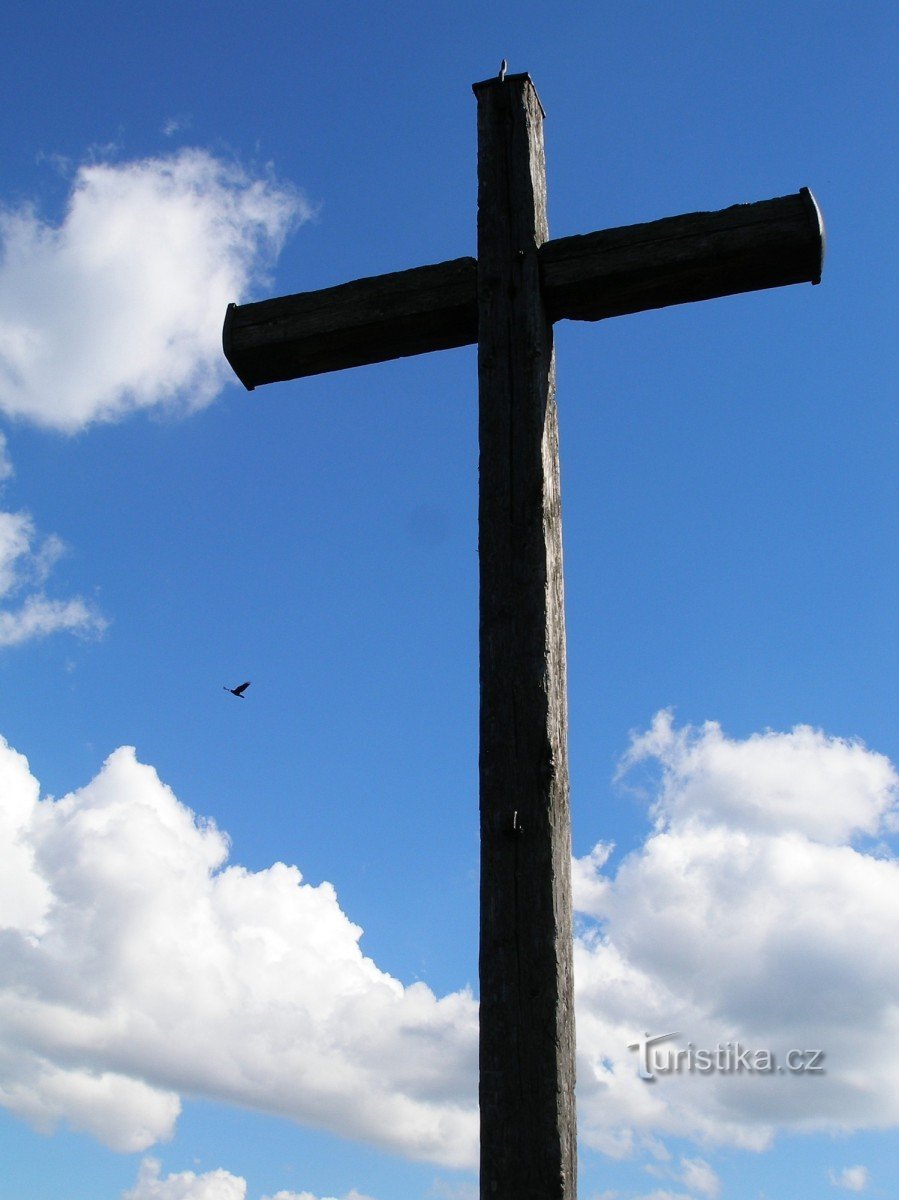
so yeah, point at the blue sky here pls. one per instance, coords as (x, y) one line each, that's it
(238, 939)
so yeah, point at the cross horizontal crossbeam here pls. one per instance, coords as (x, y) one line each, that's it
(696, 256)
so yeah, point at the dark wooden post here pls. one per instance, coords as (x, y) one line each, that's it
(528, 1132)
(507, 300)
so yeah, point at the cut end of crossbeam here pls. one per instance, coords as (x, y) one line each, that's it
(228, 347)
(816, 219)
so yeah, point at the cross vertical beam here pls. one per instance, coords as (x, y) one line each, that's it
(506, 300)
(528, 1132)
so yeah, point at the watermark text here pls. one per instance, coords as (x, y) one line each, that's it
(657, 1057)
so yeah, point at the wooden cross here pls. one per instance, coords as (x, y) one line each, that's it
(507, 301)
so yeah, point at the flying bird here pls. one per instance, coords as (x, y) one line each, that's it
(503, 67)
(239, 690)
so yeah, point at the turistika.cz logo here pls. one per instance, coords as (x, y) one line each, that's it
(729, 1059)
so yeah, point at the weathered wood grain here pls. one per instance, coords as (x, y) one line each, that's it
(366, 321)
(677, 260)
(528, 1130)
(696, 256)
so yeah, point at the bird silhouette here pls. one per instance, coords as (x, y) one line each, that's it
(239, 690)
(502, 70)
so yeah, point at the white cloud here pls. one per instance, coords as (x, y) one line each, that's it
(136, 966)
(25, 563)
(853, 1179)
(185, 1185)
(803, 782)
(464, 1190)
(120, 307)
(211, 1185)
(38, 617)
(694, 1173)
(757, 912)
(660, 1194)
(351, 1195)
(698, 1176)
(176, 125)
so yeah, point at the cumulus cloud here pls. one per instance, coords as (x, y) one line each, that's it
(826, 789)
(759, 913)
(185, 1185)
(120, 306)
(211, 1185)
(26, 561)
(137, 966)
